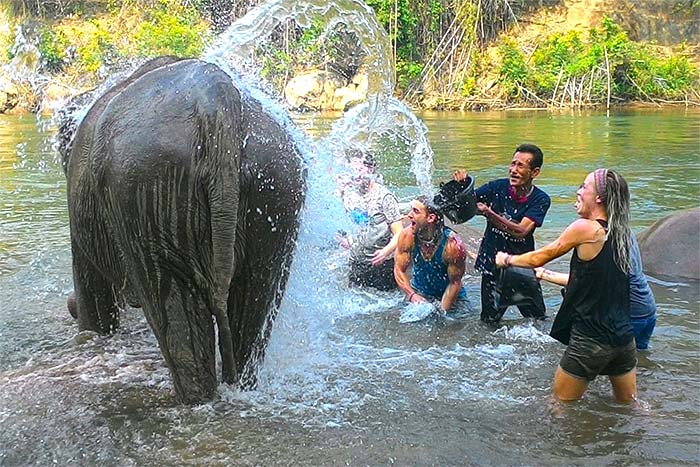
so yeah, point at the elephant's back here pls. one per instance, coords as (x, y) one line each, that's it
(671, 246)
(164, 121)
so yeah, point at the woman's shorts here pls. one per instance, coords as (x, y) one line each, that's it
(585, 358)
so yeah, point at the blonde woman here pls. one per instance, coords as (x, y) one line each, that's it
(593, 320)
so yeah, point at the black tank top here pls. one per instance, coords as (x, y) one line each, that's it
(596, 303)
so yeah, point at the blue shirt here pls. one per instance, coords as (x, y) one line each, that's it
(642, 304)
(429, 277)
(496, 195)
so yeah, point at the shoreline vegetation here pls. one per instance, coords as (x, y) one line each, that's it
(447, 55)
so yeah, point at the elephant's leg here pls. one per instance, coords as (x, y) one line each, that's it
(265, 243)
(72, 307)
(179, 257)
(184, 328)
(95, 302)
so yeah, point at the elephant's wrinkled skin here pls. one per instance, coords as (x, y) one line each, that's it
(670, 248)
(184, 197)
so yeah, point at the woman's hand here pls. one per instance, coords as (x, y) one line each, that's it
(539, 272)
(502, 259)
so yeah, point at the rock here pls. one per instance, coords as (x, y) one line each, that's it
(9, 95)
(54, 97)
(325, 90)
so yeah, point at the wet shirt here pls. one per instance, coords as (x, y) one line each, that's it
(642, 303)
(496, 195)
(429, 277)
(382, 210)
(596, 303)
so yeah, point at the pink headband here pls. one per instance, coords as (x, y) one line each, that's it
(600, 176)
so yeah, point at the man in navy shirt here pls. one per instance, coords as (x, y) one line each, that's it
(513, 208)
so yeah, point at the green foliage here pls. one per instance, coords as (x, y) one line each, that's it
(513, 72)
(171, 29)
(7, 25)
(407, 72)
(636, 71)
(96, 49)
(52, 47)
(411, 29)
(658, 77)
(468, 86)
(276, 64)
(301, 48)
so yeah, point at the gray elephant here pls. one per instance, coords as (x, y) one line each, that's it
(670, 248)
(184, 197)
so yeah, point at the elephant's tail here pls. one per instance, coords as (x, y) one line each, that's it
(216, 163)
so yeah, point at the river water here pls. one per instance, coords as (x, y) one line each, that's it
(345, 382)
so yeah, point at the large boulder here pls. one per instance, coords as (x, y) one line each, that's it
(670, 248)
(9, 94)
(325, 90)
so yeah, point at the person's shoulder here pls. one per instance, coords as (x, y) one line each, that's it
(497, 183)
(406, 237)
(451, 233)
(539, 193)
(584, 228)
(491, 188)
(455, 247)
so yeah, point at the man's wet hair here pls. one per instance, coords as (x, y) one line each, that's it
(431, 207)
(365, 157)
(537, 156)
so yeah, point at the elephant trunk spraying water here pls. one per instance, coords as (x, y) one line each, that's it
(184, 197)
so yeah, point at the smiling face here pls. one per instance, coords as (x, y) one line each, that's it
(587, 200)
(520, 173)
(419, 216)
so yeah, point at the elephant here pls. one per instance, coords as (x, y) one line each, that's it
(184, 196)
(670, 247)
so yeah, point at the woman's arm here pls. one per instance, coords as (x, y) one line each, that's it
(579, 232)
(559, 278)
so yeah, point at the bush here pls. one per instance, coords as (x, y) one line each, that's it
(178, 32)
(637, 71)
(513, 72)
(52, 46)
(7, 36)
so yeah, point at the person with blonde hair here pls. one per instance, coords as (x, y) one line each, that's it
(594, 318)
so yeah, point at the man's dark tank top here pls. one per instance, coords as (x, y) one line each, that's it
(596, 303)
(430, 277)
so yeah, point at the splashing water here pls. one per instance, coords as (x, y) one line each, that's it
(236, 46)
(381, 123)
(316, 350)
(305, 347)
